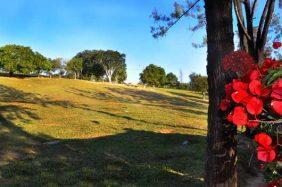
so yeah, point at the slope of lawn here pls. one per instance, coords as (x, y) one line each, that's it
(58, 132)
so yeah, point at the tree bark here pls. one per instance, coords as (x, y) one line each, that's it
(221, 147)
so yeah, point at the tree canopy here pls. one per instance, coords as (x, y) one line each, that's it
(75, 66)
(21, 59)
(171, 80)
(153, 75)
(99, 63)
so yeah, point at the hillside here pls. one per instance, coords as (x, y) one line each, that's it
(99, 133)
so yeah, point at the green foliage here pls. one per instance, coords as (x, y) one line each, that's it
(41, 63)
(273, 74)
(99, 63)
(153, 75)
(120, 75)
(112, 62)
(90, 65)
(172, 80)
(57, 64)
(75, 66)
(198, 83)
(20, 59)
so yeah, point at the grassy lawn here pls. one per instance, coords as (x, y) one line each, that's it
(106, 135)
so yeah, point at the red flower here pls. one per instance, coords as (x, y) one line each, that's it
(252, 124)
(276, 45)
(276, 106)
(254, 106)
(240, 116)
(263, 139)
(231, 61)
(265, 152)
(224, 105)
(277, 89)
(230, 117)
(255, 75)
(238, 85)
(265, 92)
(255, 87)
(275, 183)
(240, 96)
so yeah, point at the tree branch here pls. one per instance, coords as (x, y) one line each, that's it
(253, 8)
(260, 27)
(267, 23)
(249, 19)
(241, 23)
(184, 13)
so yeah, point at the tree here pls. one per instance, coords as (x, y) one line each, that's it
(120, 75)
(75, 66)
(20, 59)
(15, 58)
(41, 63)
(221, 150)
(218, 21)
(153, 75)
(171, 80)
(112, 62)
(91, 66)
(198, 83)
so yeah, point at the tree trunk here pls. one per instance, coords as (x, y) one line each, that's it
(75, 75)
(221, 152)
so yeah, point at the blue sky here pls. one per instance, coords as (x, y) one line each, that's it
(61, 28)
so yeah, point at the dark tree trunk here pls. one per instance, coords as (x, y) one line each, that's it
(221, 152)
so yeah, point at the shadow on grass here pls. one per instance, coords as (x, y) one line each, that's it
(132, 157)
(148, 98)
(140, 158)
(144, 121)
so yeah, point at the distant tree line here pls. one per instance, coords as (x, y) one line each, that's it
(96, 65)
(23, 60)
(156, 76)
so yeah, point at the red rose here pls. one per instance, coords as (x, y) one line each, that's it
(254, 106)
(277, 89)
(238, 85)
(255, 87)
(224, 105)
(276, 45)
(240, 96)
(276, 106)
(240, 116)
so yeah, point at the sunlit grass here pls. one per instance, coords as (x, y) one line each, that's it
(110, 135)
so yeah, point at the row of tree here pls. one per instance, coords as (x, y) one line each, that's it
(23, 60)
(156, 76)
(96, 64)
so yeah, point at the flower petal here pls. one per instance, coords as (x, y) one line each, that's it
(277, 106)
(263, 139)
(240, 116)
(254, 106)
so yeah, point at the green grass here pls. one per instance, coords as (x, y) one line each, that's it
(109, 135)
